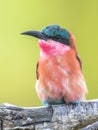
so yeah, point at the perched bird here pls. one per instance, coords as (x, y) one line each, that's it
(59, 69)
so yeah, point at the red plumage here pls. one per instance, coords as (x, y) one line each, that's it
(60, 75)
(59, 69)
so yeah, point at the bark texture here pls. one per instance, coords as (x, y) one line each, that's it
(82, 116)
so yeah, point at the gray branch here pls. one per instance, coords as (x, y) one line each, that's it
(56, 117)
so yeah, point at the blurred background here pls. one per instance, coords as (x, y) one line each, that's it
(19, 54)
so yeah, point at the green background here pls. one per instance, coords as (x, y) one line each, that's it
(19, 54)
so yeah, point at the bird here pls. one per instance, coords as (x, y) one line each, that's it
(59, 68)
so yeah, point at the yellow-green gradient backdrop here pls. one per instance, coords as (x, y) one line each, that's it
(19, 54)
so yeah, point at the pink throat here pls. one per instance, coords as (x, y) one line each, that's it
(51, 47)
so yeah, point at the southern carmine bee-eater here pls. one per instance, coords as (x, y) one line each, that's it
(59, 69)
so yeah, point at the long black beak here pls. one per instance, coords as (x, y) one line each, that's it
(36, 34)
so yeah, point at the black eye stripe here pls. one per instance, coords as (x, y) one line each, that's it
(63, 41)
(58, 38)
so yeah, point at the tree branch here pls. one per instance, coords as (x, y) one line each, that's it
(56, 117)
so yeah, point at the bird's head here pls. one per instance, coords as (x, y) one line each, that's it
(53, 39)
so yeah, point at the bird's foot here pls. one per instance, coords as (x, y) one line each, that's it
(75, 102)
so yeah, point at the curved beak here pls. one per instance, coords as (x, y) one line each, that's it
(36, 34)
